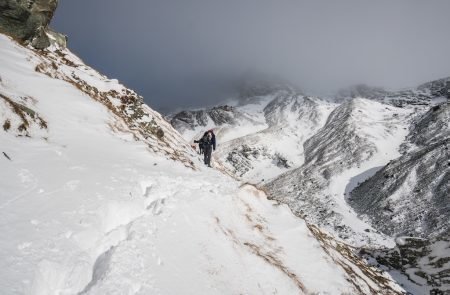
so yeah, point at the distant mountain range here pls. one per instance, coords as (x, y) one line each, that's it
(368, 165)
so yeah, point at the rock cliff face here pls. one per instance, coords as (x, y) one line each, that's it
(28, 22)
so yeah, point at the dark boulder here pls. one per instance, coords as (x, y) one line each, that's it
(27, 21)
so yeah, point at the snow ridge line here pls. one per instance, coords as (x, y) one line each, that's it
(268, 256)
(355, 267)
(342, 254)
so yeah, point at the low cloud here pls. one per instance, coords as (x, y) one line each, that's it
(183, 53)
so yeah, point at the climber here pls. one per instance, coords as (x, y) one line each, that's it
(209, 144)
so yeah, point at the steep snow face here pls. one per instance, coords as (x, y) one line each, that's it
(92, 202)
(410, 195)
(36, 95)
(359, 137)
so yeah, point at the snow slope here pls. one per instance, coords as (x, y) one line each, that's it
(410, 195)
(106, 198)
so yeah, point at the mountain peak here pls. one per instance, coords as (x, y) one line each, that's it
(362, 90)
(255, 85)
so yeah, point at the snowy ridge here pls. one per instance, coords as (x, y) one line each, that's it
(129, 115)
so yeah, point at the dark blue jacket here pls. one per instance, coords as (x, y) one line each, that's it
(207, 142)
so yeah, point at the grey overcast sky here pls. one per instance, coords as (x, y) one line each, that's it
(182, 53)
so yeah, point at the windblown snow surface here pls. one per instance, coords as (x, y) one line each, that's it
(91, 206)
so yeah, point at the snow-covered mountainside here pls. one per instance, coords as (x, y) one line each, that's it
(434, 91)
(367, 167)
(359, 135)
(100, 195)
(410, 195)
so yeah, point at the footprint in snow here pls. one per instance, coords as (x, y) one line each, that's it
(146, 187)
(156, 206)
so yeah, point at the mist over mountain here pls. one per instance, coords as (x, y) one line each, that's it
(179, 53)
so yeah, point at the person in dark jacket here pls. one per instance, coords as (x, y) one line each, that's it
(209, 144)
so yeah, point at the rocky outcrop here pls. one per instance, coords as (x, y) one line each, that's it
(27, 21)
(423, 262)
(243, 158)
(22, 119)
